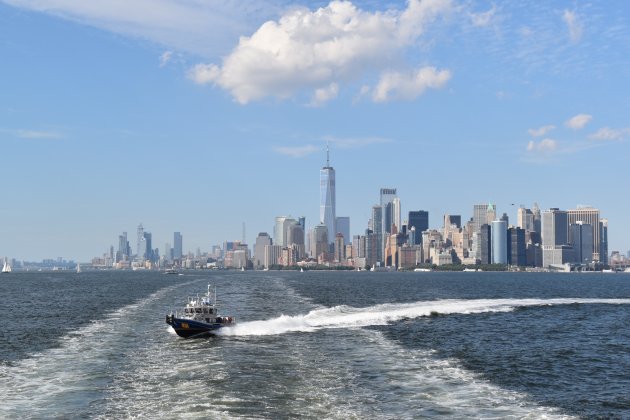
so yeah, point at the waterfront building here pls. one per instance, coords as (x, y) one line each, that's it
(587, 215)
(396, 213)
(420, 221)
(603, 241)
(327, 206)
(582, 241)
(387, 196)
(319, 242)
(178, 249)
(555, 238)
(339, 249)
(499, 242)
(281, 230)
(273, 253)
(484, 250)
(124, 250)
(377, 229)
(517, 250)
(343, 227)
(141, 246)
(262, 240)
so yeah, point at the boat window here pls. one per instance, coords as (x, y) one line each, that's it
(186, 310)
(198, 310)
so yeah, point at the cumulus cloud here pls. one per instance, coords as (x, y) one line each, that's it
(296, 152)
(574, 25)
(317, 50)
(539, 132)
(543, 146)
(579, 121)
(607, 133)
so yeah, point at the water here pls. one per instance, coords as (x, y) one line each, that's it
(318, 345)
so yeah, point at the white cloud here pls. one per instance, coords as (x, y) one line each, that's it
(484, 18)
(203, 27)
(297, 152)
(543, 146)
(539, 132)
(574, 25)
(33, 134)
(579, 121)
(165, 58)
(607, 133)
(314, 50)
(396, 85)
(325, 94)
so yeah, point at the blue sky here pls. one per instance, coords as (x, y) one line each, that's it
(196, 116)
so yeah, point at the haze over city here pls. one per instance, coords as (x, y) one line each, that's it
(200, 117)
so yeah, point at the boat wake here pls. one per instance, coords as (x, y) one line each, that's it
(349, 317)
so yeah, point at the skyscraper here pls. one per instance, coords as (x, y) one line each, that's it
(582, 241)
(327, 206)
(419, 220)
(262, 240)
(377, 229)
(177, 245)
(343, 227)
(499, 242)
(587, 215)
(555, 238)
(141, 247)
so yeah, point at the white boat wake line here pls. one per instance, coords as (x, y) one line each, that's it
(349, 317)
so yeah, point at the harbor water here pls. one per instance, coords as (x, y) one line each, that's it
(337, 345)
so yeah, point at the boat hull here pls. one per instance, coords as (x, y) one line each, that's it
(189, 328)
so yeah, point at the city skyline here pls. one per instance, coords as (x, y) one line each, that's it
(106, 124)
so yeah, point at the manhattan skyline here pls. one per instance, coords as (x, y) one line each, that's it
(112, 116)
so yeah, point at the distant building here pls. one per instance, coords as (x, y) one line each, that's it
(343, 227)
(517, 250)
(420, 221)
(178, 249)
(339, 248)
(485, 244)
(581, 235)
(319, 242)
(377, 232)
(587, 215)
(555, 238)
(327, 205)
(262, 240)
(499, 242)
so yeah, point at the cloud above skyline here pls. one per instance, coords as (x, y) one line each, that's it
(541, 131)
(579, 121)
(318, 51)
(607, 133)
(574, 25)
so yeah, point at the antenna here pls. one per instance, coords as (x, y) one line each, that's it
(327, 155)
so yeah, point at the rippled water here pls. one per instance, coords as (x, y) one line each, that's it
(318, 344)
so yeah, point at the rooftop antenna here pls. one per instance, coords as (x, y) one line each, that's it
(327, 155)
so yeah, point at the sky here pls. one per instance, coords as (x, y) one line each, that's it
(198, 116)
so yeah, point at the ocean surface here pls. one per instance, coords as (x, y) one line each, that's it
(336, 345)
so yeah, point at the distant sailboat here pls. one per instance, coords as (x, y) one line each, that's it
(78, 268)
(7, 267)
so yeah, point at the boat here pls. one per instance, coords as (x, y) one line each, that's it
(78, 268)
(199, 318)
(7, 267)
(171, 271)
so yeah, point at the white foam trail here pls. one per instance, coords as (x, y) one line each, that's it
(349, 317)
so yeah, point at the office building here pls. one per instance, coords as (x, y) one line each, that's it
(555, 238)
(420, 221)
(178, 249)
(327, 206)
(343, 227)
(499, 242)
(582, 241)
(587, 215)
(262, 240)
(517, 250)
(484, 247)
(377, 231)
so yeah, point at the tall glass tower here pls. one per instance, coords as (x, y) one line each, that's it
(327, 212)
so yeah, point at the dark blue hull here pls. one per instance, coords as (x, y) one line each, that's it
(189, 328)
